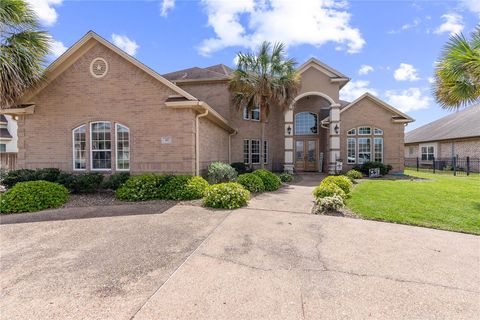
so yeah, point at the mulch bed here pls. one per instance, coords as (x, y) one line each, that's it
(100, 198)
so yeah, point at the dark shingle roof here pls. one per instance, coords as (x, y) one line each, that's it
(5, 134)
(216, 72)
(461, 124)
(3, 120)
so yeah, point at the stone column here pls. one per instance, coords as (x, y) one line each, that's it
(334, 151)
(288, 166)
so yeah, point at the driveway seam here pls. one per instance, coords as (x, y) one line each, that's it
(181, 265)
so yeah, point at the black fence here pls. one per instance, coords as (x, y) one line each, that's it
(455, 166)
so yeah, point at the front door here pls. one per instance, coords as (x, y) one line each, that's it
(306, 155)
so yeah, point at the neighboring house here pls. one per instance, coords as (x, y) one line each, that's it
(8, 134)
(456, 135)
(100, 109)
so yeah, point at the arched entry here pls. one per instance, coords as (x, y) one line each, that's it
(302, 140)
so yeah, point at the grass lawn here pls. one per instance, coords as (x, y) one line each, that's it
(442, 202)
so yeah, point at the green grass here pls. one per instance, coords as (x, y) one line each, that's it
(442, 202)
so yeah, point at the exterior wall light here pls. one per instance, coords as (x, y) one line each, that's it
(336, 128)
(289, 130)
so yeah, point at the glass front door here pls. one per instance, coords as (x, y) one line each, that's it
(306, 155)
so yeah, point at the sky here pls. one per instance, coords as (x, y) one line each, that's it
(387, 48)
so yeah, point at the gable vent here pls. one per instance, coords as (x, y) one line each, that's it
(98, 67)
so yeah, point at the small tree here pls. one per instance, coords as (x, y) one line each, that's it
(457, 76)
(266, 79)
(22, 50)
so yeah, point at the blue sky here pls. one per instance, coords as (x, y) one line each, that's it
(386, 47)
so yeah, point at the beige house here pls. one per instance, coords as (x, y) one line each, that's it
(455, 135)
(100, 109)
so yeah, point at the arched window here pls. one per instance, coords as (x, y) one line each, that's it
(123, 147)
(306, 123)
(79, 147)
(100, 145)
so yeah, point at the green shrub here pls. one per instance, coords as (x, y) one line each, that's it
(115, 180)
(365, 167)
(328, 190)
(14, 176)
(343, 182)
(354, 174)
(183, 188)
(82, 183)
(270, 180)
(251, 182)
(33, 196)
(47, 174)
(241, 167)
(221, 172)
(229, 195)
(142, 187)
(330, 204)
(286, 177)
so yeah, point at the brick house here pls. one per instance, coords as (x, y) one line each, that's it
(455, 135)
(100, 109)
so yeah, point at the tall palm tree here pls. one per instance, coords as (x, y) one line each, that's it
(22, 50)
(266, 79)
(457, 75)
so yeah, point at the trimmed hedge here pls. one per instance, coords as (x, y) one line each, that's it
(354, 174)
(251, 182)
(365, 167)
(270, 180)
(183, 188)
(330, 204)
(219, 172)
(33, 196)
(115, 181)
(341, 181)
(142, 187)
(241, 167)
(81, 183)
(286, 177)
(229, 195)
(328, 190)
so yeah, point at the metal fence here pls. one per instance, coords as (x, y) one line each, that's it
(454, 166)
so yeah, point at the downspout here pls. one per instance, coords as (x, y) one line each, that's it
(197, 141)
(230, 145)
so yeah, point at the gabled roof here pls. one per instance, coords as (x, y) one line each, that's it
(334, 75)
(215, 72)
(221, 68)
(461, 124)
(83, 45)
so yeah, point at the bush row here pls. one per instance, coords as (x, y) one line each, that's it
(75, 183)
(365, 167)
(332, 192)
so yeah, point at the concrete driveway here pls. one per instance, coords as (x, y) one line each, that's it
(259, 262)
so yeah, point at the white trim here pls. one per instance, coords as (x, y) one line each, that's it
(364, 152)
(374, 152)
(295, 124)
(377, 134)
(248, 152)
(317, 64)
(364, 134)
(354, 150)
(434, 145)
(73, 147)
(91, 148)
(354, 132)
(265, 152)
(116, 148)
(313, 93)
(91, 68)
(259, 151)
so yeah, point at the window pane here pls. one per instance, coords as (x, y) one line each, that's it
(256, 113)
(79, 148)
(101, 145)
(364, 130)
(265, 151)
(255, 145)
(306, 123)
(123, 147)
(351, 157)
(377, 132)
(245, 113)
(378, 146)
(351, 132)
(364, 150)
(246, 151)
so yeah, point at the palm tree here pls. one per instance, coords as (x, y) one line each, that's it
(457, 75)
(266, 79)
(22, 50)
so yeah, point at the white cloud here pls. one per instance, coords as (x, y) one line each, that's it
(406, 72)
(431, 80)
(166, 6)
(354, 89)
(57, 48)
(408, 100)
(45, 10)
(126, 44)
(453, 23)
(248, 22)
(472, 5)
(365, 69)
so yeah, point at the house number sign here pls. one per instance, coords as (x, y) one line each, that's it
(166, 140)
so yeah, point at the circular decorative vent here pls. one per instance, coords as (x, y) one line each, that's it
(98, 67)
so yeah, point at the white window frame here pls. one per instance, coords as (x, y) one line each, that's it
(248, 114)
(364, 134)
(248, 151)
(352, 132)
(117, 149)
(265, 151)
(259, 151)
(73, 148)
(377, 132)
(375, 151)
(295, 123)
(428, 145)
(112, 141)
(354, 150)
(245, 113)
(361, 160)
